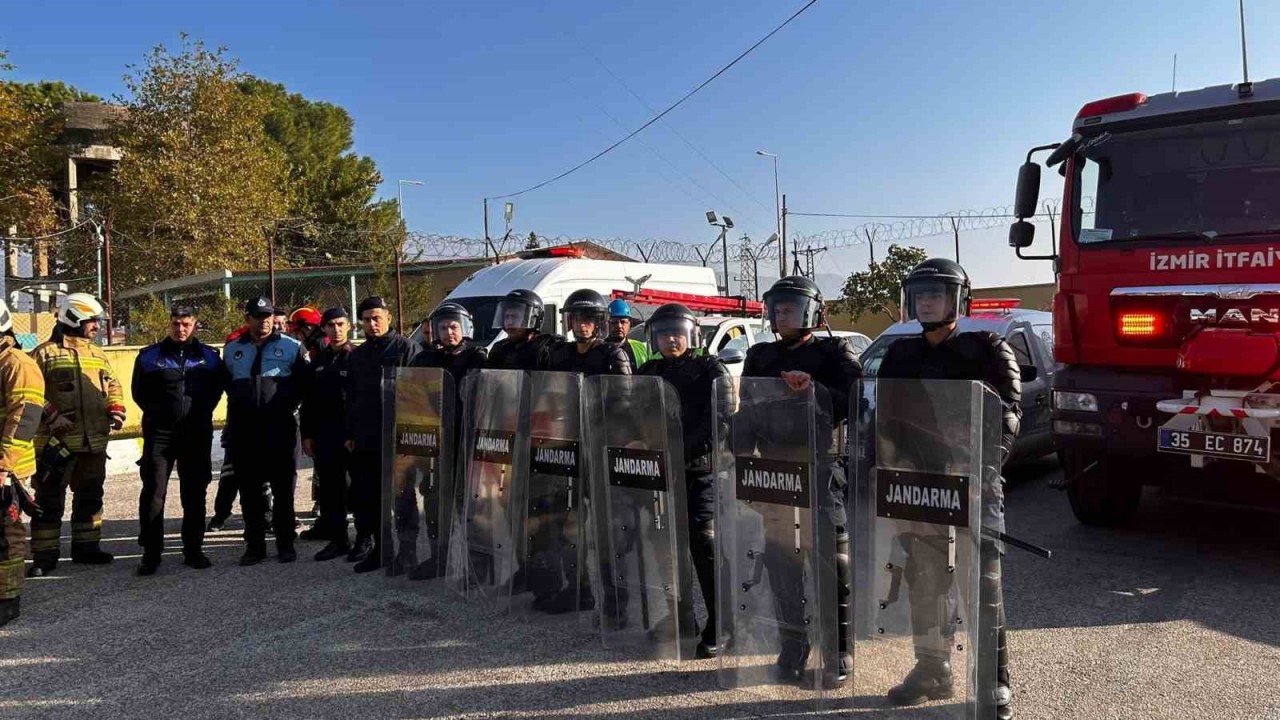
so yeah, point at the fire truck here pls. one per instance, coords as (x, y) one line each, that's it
(1167, 311)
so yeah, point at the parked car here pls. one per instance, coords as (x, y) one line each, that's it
(1025, 331)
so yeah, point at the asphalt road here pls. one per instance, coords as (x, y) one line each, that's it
(1174, 617)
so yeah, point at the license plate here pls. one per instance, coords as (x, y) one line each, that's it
(1223, 445)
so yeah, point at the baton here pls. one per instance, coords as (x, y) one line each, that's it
(1020, 544)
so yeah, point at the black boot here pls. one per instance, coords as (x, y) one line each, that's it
(197, 561)
(148, 566)
(792, 661)
(332, 550)
(1004, 702)
(425, 570)
(371, 562)
(360, 550)
(404, 561)
(710, 644)
(929, 680)
(90, 554)
(9, 611)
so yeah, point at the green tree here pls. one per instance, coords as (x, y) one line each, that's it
(28, 129)
(878, 289)
(52, 94)
(200, 182)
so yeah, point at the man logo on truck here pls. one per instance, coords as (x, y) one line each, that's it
(1236, 316)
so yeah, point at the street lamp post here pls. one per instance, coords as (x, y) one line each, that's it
(724, 223)
(404, 230)
(777, 209)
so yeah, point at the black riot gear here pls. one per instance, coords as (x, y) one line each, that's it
(794, 303)
(532, 353)
(935, 292)
(450, 312)
(587, 305)
(671, 319)
(520, 309)
(601, 358)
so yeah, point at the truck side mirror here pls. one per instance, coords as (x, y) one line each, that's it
(1029, 373)
(1028, 193)
(732, 356)
(1021, 234)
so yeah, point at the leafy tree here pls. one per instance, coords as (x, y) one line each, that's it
(28, 129)
(200, 182)
(879, 288)
(52, 94)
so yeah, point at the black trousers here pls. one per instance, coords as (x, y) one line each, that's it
(259, 466)
(229, 487)
(189, 447)
(332, 461)
(700, 506)
(366, 493)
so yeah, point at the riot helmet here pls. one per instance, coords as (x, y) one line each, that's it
(450, 325)
(585, 306)
(794, 303)
(935, 292)
(519, 310)
(673, 328)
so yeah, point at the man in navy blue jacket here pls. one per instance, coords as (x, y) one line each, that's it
(263, 372)
(177, 382)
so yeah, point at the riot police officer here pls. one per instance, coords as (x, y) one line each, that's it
(452, 330)
(796, 308)
(520, 314)
(672, 332)
(620, 323)
(322, 422)
(936, 293)
(585, 314)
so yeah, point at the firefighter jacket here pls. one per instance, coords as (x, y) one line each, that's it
(22, 390)
(80, 386)
(177, 384)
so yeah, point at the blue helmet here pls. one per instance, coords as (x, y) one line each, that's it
(620, 309)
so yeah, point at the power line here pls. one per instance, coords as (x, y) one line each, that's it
(660, 115)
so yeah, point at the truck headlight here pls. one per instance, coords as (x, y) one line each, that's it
(1075, 401)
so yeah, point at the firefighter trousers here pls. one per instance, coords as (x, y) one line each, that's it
(85, 474)
(189, 448)
(13, 552)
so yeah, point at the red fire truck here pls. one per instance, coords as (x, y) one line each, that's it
(1167, 314)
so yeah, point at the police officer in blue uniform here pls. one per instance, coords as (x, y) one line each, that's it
(177, 382)
(263, 369)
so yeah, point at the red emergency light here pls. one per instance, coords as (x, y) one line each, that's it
(993, 304)
(568, 251)
(1106, 106)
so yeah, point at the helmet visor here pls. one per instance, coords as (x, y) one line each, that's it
(931, 302)
(514, 315)
(586, 324)
(673, 335)
(450, 329)
(792, 311)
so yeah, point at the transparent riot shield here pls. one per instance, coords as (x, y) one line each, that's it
(493, 477)
(925, 459)
(776, 523)
(418, 488)
(550, 579)
(638, 516)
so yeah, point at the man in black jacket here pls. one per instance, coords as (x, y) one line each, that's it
(801, 358)
(936, 293)
(520, 314)
(177, 382)
(672, 329)
(323, 424)
(383, 347)
(586, 315)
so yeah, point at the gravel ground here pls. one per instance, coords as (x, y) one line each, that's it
(1173, 617)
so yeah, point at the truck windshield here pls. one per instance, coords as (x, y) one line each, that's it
(1210, 178)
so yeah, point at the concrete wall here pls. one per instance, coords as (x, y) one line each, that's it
(1033, 297)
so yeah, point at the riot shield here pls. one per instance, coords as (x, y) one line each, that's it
(925, 456)
(776, 526)
(418, 488)
(638, 516)
(494, 473)
(550, 579)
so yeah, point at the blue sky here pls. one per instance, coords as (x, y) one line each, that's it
(916, 106)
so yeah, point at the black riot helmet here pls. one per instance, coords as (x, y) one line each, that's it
(935, 292)
(586, 305)
(670, 320)
(794, 303)
(519, 310)
(446, 314)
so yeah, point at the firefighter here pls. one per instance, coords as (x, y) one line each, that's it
(22, 393)
(177, 382)
(323, 427)
(520, 314)
(672, 332)
(795, 308)
(83, 404)
(936, 292)
(452, 328)
(383, 348)
(620, 322)
(262, 372)
(585, 315)
(305, 326)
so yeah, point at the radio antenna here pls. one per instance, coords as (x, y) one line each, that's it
(1246, 87)
(1175, 73)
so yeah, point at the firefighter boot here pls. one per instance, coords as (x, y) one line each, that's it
(90, 553)
(930, 679)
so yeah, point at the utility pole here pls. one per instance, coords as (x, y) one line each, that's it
(782, 239)
(955, 229)
(106, 264)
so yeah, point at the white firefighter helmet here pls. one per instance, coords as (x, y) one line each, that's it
(6, 320)
(78, 307)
